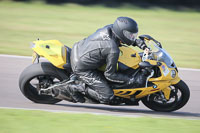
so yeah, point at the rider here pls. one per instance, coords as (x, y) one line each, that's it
(102, 47)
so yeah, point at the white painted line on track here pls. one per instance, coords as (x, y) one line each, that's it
(29, 57)
(15, 56)
(73, 112)
(189, 69)
(19, 57)
(93, 113)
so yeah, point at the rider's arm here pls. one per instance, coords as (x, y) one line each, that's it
(111, 73)
(140, 43)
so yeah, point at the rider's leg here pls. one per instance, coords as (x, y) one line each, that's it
(76, 91)
(69, 90)
(97, 86)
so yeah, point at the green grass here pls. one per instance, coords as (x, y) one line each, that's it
(22, 23)
(21, 121)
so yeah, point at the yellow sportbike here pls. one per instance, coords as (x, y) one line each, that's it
(163, 90)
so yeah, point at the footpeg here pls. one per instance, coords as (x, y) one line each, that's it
(45, 92)
(66, 90)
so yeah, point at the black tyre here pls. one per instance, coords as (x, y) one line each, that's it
(179, 96)
(40, 75)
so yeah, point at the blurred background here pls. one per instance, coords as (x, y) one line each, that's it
(175, 23)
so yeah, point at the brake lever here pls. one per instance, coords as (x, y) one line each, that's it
(146, 56)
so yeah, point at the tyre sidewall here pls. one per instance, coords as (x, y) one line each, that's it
(184, 99)
(34, 70)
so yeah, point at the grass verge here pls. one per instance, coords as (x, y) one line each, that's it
(22, 23)
(21, 121)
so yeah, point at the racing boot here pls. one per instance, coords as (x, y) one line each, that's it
(76, 89)
(70, 90)
(76, 92)
(95, 97)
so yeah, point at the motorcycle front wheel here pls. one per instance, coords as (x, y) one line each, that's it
(179, 96)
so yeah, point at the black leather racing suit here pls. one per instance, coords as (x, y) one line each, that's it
(91, 53)
(98, 49)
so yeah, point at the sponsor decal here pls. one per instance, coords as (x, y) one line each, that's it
(163, 67)
(104, 36)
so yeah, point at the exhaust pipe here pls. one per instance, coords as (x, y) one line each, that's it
(61, 94)
(58, 91)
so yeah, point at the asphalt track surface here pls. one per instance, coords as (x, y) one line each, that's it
(11, 97)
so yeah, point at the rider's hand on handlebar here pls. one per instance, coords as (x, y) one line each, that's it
(140, 43)
(147, 51)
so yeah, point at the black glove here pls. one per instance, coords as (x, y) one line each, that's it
(140, 43)
(131, 80)
(139, 79)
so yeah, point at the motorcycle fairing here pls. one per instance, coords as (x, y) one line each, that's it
(129, 57)
(161, 83)
(52, 50)
(128, 93)
(165, 73)
(56, 53)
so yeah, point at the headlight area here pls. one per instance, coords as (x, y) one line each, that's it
(173, 73)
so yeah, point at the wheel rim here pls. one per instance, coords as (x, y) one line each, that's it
(34, 84)
(157, 101)
(43, 81)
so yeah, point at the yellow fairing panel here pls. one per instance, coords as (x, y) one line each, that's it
(126, 57)
(142, 92)
(165, 73)
(52, 50)
(167, 92)
(161, 83)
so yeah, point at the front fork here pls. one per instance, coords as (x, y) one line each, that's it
(167, 90)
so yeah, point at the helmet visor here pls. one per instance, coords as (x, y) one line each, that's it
(129, 35)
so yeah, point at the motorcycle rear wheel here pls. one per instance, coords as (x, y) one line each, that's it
(43, 72)
(179, 96)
